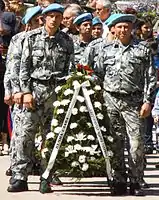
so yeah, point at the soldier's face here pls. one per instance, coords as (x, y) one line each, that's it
(37, 21)
(97, 31)
(123, 30)
(85, 28)
(53, 20)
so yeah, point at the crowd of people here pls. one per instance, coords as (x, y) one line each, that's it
(41, 45)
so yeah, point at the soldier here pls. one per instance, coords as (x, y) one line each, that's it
(46, 59)
(31, 21)
(84, 25)
(91, 52)
(129, 81)
(97, 29)
(11, 79)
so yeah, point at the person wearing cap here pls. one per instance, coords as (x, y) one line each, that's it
(129, 83)
(84, 26)
(32, 20)
(11, 78)
(46, 60)
(92, 51)
(97, 29)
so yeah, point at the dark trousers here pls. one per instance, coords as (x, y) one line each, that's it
(148, 125)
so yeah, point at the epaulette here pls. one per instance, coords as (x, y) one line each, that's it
(144, 43)
(18, 35)
(95, 42)
(34, 32)
(108, 43)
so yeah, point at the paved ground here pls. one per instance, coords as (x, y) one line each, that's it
(90, 188)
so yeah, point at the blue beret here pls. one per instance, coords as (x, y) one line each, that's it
(82, 18)
(96, 21)
(31, 12)
(117, 18)
(54, 7)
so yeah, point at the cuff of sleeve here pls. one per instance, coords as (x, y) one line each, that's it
(16, 90)
(8, 93)
(26, 91)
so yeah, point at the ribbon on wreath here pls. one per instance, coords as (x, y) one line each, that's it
(64, 128)
(98, 131)
(61, 134)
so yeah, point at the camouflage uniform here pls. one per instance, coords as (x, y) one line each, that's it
(91, 53)
(45, 62)
(68, 32)
(129, 80)
(12, 84)
(79, 48)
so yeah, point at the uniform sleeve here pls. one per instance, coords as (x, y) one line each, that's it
(70, 62)
(99, 67)
(7, 75)
(150, 78)
(15, 69)
(25, 67)
(87, 58)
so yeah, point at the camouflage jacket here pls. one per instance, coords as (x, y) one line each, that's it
(45, 58)
(79, 48)
(127, 69)
(91, 52)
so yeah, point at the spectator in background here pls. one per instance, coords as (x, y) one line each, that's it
(44, 3)
(70, 13)
(7, 30)
(103, 11)
(19, 9)
(91, 3)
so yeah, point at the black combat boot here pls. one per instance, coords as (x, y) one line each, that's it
(18, 186)
(143, 183)
(136, 190)
(118, 189)
(8, 172)
(157, 165)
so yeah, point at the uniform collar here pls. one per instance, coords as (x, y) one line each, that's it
(45, 33)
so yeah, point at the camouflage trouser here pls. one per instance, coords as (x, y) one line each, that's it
(124, 122)
(12, 142)
(26, 125)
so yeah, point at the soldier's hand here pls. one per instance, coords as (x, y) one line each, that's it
(145, 110)
(28, 101)
(18, 98)
(8, 100)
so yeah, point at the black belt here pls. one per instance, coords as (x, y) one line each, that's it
(130, 94)
(44, 82)
(51, 81)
